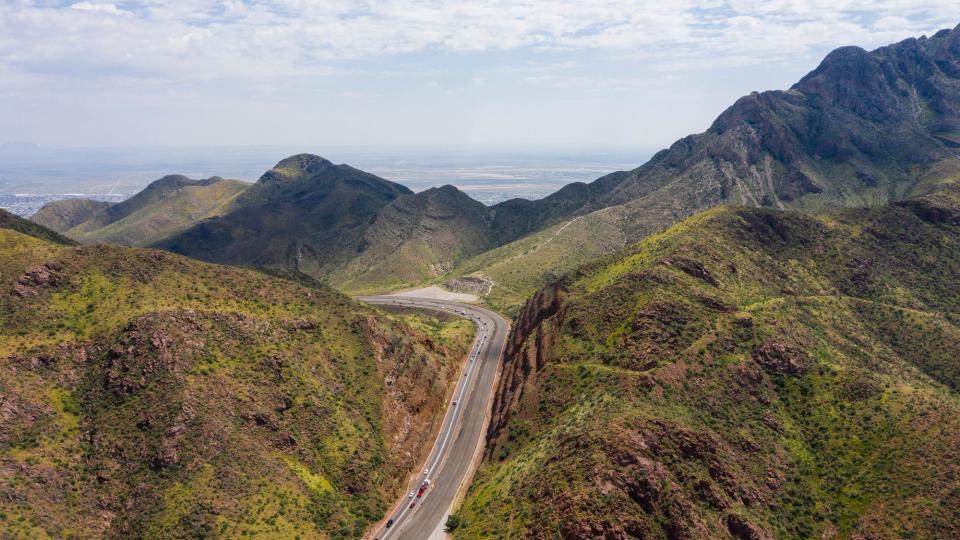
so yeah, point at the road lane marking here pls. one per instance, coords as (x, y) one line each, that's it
(454, 419)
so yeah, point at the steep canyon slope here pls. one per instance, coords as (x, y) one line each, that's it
(143, 394)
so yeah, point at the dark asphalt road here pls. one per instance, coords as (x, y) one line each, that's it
(463, 426)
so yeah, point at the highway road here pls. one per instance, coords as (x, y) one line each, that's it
(461, 435)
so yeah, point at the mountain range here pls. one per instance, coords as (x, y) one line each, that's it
(363, 233)
(863, 128)
(357, 230)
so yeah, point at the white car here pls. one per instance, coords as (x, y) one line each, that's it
(410, 496)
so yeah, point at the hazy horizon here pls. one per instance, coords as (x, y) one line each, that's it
(32, 175)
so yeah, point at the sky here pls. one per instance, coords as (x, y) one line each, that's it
(497, 73)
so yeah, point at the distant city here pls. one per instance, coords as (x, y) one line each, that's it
(31, 176)
(27, 205)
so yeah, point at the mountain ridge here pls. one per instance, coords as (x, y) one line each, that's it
(348, 250)
(614, 415)
(16, 223)
(61, 216)
(812, 147)
(298, 215)
(166, 206)
(416, 236)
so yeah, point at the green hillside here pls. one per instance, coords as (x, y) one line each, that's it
(748, 373)
(167, 206)
(515, 271)
(416, 237)
(362, 233)
(61, 216)
(16, 223)
(305, 214)
(146, 395)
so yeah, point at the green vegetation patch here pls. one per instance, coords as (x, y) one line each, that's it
(154, 396)
(743, 370)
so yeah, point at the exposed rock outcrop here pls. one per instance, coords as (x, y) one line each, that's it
(44, 275)
(531, 335)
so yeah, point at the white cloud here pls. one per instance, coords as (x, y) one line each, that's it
(161, 70)
(257, 38)
(99, 7)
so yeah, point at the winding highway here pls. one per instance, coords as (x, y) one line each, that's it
(451, 462)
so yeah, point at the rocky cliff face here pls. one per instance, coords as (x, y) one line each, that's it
(857, 124)
(532, 335)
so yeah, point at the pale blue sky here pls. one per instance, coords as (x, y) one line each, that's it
(521, 74)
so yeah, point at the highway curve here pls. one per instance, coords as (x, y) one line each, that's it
(462, 432)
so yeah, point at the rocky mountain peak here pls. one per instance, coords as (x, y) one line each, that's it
(447, 193)
(172, 182)
(889, 84)
(298, 165)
